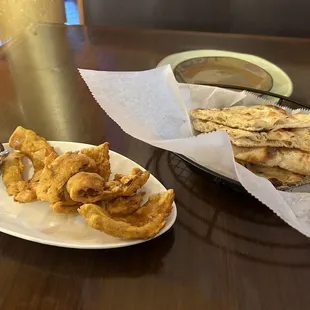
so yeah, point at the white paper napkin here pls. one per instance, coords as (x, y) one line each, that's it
(151, 106)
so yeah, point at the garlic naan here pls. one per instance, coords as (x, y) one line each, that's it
(280, 178)
(290, 159)
(298, 138)
(254, 118)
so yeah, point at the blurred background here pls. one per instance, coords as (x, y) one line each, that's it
(265, 17)
(72, 12)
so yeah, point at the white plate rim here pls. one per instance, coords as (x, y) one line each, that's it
(279, 77)
(124, 243)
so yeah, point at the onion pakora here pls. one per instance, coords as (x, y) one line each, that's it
(143, 224)
(90, 187)
(55, 175)
(33, 146)
(74, 181)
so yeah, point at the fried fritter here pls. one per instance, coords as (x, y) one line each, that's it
(100, 154)
(74, 178)
(55, 176)
(157, 204)
(90, 187)
(12, 173)
(63, 207)
(129, 184)
(86, 187)
(148, 223)
(37, 150)
(123, 206)
(28, 194)
(33, 146)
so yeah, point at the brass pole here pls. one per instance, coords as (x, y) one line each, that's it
(16, 15)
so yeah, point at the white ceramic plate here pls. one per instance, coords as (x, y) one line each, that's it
(37, 222)
(282, 84)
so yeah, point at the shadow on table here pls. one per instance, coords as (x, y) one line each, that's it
(134, 261)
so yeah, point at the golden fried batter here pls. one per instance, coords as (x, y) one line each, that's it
(100, 154)
(156, 204)
(49, 159)
(12, 173)
(55, 176)
(33, 146)
(128, 184)
(63, 207)
(86, 187)
(37, 150)
(66, 205)
(28, 194)
(152, 223)
(123, 206)
(90, 187)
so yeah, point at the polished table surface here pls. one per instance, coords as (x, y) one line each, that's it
(226, 250)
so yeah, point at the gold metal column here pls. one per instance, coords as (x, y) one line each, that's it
(15, 15)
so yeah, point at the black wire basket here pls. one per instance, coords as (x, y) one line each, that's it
(280, 100)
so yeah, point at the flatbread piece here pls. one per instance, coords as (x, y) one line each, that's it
(290, 159)
(282, 179)
(254, 118)
(298, 138)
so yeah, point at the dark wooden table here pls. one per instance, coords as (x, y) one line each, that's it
(226, 250)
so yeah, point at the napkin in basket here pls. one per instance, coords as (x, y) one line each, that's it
(151, 106)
